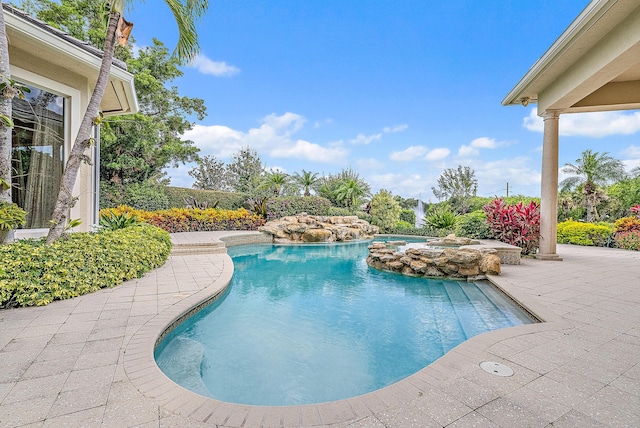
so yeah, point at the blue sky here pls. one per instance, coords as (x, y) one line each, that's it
(397, 90)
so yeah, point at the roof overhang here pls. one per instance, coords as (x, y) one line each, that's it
(593, 66)
(54, 47)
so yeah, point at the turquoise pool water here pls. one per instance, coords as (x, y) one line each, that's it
(310, 324)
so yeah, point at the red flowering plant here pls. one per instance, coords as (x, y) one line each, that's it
(635, 210)
(517, 225)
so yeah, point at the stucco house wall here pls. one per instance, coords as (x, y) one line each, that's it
(43, 57)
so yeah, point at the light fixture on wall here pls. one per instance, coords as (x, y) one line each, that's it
(524, 101)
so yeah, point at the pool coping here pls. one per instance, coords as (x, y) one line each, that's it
(143, 372)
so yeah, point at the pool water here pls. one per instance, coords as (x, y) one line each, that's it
(313, 323)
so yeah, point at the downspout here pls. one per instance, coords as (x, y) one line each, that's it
(96, 176)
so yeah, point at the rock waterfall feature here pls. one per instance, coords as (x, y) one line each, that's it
(312, 228)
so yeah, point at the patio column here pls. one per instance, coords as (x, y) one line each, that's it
(549, 191)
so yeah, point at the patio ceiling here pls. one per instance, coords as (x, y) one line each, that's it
(593, 66)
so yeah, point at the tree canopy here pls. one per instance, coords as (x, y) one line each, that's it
(457, 185)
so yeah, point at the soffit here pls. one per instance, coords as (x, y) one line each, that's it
(50, 48)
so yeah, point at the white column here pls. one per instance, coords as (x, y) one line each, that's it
(549, 191)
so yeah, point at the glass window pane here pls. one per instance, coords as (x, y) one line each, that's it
(37, 154)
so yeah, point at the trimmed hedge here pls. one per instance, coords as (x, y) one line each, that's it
(579, 233)
(225, 200)
(142, 196)
(35, 274)
(193, 219)
(292, 205)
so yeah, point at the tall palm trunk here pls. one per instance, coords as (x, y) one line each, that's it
(5, 129)
(589, 196)
(5, 111)
(83, 140)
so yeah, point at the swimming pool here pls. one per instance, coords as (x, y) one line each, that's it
(313, 323)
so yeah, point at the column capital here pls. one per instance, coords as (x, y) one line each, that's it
(550, 114)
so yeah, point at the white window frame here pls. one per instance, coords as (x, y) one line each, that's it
(72, 118)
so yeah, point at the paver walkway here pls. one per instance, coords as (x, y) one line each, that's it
(88, 361)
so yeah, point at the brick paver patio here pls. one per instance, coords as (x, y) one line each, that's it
(88, 361)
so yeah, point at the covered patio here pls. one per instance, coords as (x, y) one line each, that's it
(593, 66)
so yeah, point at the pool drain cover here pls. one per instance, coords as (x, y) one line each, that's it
(496, 368)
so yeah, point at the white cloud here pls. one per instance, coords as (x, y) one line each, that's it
(484, 143)
(218, 140)
(368, 139)
(468, 151)
(437, 154)
(409, 185)
(595, 125)
(274, 137)
(632, 152)
(369, 164)
(393, 129)
(519, 172)
(408, 154)
(311, 152)
(365, 139)
(216, 68)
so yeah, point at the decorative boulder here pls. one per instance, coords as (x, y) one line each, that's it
(436, 262)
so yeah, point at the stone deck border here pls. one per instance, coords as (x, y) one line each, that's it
(89, 361)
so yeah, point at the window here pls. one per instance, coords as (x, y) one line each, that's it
(37, 154)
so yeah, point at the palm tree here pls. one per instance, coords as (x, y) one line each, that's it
(185, 12)
(306, 180)
(275, 181)
(636, 171)
(591, 170)
(350, 192)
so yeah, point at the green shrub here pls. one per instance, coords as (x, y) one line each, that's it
(11, 216)
(408, 216)
(34, 273)
(292, 205)
(403, 225)
(579, 233)
(473, 225)
(113, 221)
(385, 211)
(440, 217)
(225, 200)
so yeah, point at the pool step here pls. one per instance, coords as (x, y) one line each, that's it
(198, 248)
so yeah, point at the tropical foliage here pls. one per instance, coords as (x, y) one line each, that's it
(517, 225)
(34, 273)
(192, 220)
(591, 170)
(440, 217)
